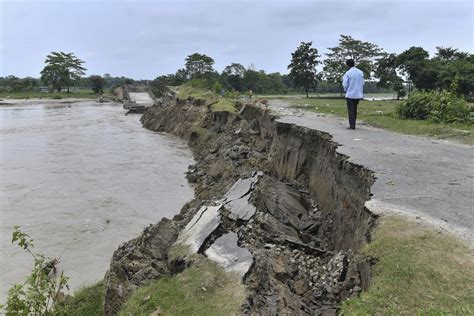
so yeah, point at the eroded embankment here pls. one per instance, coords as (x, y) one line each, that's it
(274, 202)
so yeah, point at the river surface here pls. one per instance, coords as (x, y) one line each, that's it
(82, 178)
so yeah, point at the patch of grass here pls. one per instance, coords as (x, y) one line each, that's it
(382, 114)
(87, 301)
(224, 105)
(420, 271)
(202, 289)
(88, 94)
(186, 92)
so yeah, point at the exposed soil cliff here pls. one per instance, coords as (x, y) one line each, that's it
(287, 206)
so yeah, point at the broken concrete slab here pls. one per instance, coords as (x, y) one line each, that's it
(226, 252)
(241, 208)
(240, 188)
(201, 226)
(237, 199)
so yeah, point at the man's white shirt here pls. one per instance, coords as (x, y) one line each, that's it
(353, 83)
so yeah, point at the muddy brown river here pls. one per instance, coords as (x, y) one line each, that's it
(82, 178)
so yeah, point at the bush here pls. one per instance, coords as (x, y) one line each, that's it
(232, 94)
(436, 106)
(42, 290)
(199, 83)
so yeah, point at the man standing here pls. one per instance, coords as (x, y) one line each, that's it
(353, 83)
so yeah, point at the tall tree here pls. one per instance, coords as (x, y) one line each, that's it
(303, 66)
(417, 68)
(61, 70)
(233, 76)
(235, 69)
(198, 65)
(364, 55)
(96, 83)
(386, 69)
(449, 54)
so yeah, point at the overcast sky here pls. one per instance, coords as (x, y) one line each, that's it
(143, 39)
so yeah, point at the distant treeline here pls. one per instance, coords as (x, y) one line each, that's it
(15, 84)
(450, 69)
(258, 81)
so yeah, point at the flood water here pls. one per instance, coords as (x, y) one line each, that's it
(80, 179)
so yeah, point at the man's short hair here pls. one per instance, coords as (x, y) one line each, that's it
(350, 62)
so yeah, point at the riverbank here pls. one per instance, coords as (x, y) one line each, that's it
(81, 94)
(286, 218)
(43, 101)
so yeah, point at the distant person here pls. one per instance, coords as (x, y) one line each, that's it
(222, 93)
(250, 93)
(353, 83)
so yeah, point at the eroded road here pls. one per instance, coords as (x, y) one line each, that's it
(427, 178)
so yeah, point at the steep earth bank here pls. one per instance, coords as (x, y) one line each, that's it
(274, 202)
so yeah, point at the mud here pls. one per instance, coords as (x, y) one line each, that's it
(301, 221)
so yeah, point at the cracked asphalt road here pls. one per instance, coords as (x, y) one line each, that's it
(431, 179)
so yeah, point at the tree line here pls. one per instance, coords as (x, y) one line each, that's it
(450, 69)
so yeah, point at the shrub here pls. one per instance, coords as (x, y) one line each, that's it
(42, 290)
(232, 94)
(199, 83)
(436, 106)
(217, 87)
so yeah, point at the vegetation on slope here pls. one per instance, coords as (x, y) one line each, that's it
(202, 289)
(419, 271)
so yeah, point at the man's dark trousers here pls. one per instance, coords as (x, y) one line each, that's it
(352, 111)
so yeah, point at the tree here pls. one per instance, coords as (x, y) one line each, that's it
(62, 69)
(198, 65)
(416, 66)
(233, 76)
(303, 66)
(97, 83)
(364, 55)
(449, 54)
(387, 70)
(234, 69)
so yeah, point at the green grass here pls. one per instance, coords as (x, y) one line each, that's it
(420, 272)
(89, 94)
(186, 92)
(217, 104)
(202, 289)
(382, 114)
(224, 105)
(86, 301)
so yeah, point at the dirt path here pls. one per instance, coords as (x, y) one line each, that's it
(424, 178)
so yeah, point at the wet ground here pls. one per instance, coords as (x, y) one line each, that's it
(81, 178)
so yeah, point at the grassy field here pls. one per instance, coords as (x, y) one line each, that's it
(382, 114)
(420, 271)
(89, 94)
